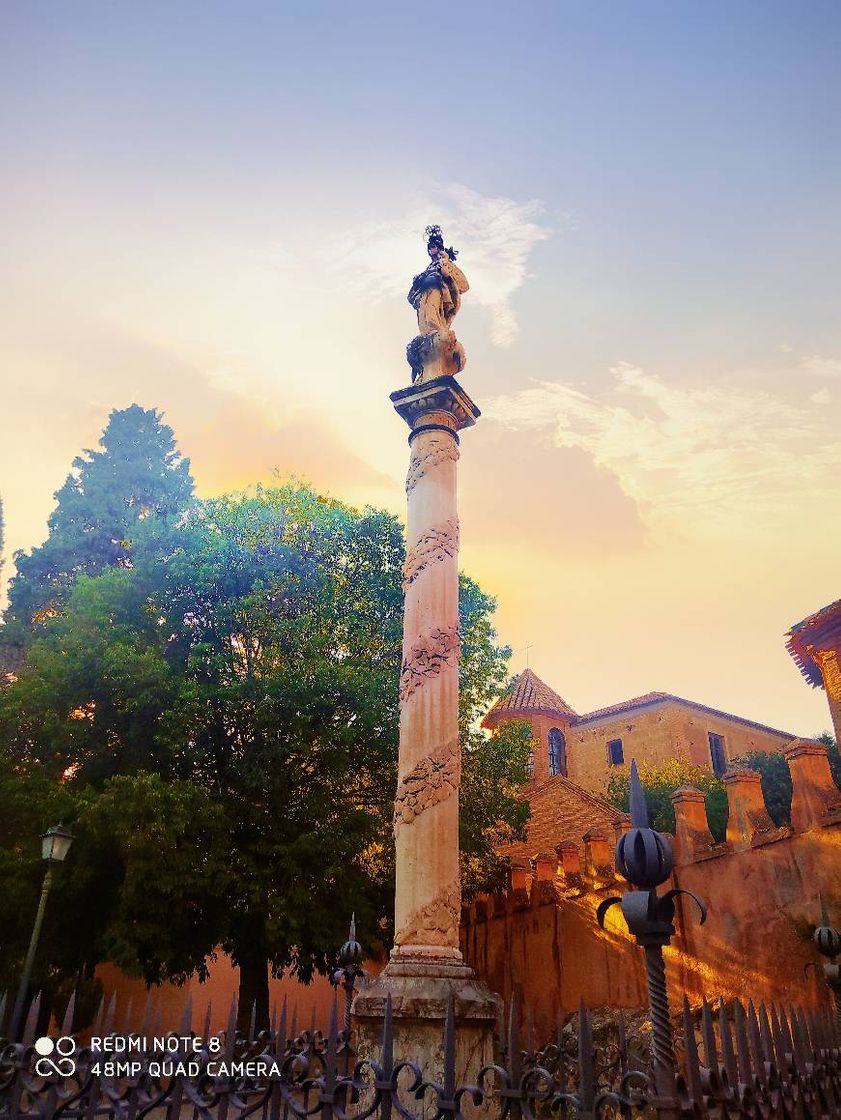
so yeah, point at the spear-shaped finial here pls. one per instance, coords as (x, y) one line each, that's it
(639, 807)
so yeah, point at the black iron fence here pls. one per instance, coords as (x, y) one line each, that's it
(734, 1061)
(765, 1063)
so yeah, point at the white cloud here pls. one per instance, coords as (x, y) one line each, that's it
(494, 236)
(714, 451)
(822, 396)
(817, 365)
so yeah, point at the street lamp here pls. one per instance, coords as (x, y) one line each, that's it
(55, 844)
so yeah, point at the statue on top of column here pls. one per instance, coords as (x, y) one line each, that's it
(436, 296)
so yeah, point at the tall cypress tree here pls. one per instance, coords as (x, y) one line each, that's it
(138, 473)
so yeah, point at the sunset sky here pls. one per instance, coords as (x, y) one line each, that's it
(216, 209)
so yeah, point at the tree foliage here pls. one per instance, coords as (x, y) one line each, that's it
(139, 473)
(660, 780)
(227, 703)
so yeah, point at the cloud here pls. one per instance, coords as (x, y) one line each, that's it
(711, 452)
(495, 237)
(817, 365)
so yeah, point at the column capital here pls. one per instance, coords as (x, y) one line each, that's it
(440, 404)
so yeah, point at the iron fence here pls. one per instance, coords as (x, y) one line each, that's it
(735, 1061)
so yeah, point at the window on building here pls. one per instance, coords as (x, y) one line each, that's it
(557, 753)
(717, 753)
(615, 753)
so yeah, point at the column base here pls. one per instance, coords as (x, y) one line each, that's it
(420, 986)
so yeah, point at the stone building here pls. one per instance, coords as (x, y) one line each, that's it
(650, 728)
(815, 645)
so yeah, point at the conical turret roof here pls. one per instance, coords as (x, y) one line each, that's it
(528, 695)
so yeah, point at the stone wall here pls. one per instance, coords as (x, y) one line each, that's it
(761, 886)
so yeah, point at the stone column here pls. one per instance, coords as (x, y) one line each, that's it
(426, 965)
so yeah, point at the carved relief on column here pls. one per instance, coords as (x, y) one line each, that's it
(436, 923)
(437, 450)
(436, 544)
(432, 780)
(429, 656)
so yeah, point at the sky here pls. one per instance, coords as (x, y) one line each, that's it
(216, 209)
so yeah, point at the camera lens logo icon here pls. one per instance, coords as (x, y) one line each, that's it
(55, 1056)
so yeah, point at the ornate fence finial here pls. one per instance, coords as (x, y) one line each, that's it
(828, 943)
(350, 956)
(644, 858)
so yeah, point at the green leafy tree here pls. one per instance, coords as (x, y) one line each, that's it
(660, 780)
(138, 473)
(245, 667)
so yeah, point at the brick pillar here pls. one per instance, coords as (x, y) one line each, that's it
(620, 826)
(692, 830)
(814, 793)
(747, 814)
(569, 856)
(544, 867)
(598, 858)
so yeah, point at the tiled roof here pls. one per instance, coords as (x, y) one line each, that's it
(528, 695)
(797, 645)
(560, 811)
(651, 698)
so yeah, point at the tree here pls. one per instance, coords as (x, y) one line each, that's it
(139, 473)
(238, 682)
(660, 780)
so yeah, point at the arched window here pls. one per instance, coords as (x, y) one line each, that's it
(557, 753)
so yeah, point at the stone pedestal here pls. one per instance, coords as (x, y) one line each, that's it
(426, 967)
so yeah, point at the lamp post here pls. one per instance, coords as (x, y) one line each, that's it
(55, 844)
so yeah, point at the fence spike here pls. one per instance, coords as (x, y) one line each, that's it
(765, 1034)
(690, 1048)
(252, 1021)
(515, 1057)
(32, 1021)
(127, 1016)
(728, 1057)
(387, 1061)
(798, 1038)
(586, 1089)
(69, 1011)
(280, 1037)
(742, 1050)
(231, 1030)
(708, 1034)
(187, 1016)
(293, 1030)
(2, 1014)
(147, 1014)
(100, 1012)
(622, 1037)
(755, 1035)
(777, 1038)
(208, 1019)
(110, 1015)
